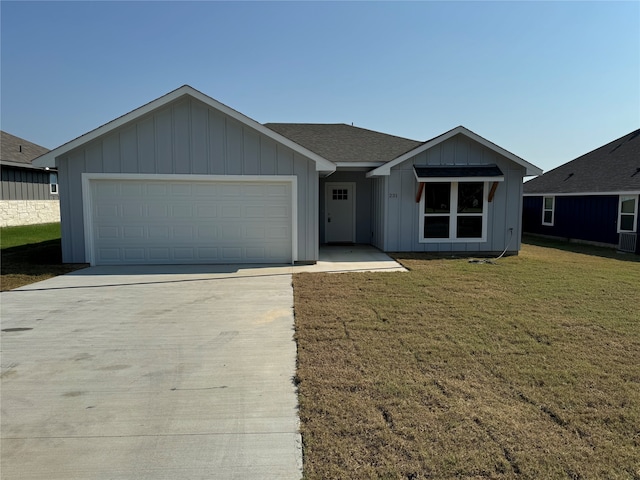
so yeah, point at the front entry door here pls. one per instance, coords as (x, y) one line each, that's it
(340, 213)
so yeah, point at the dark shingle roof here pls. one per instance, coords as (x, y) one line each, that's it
(340, 142)
(451, 171)
(16, 150)
(614, 167)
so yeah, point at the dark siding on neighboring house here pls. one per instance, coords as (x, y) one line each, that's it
(592, 217)
(24, 184)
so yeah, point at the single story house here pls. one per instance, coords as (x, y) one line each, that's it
(592, 199)
(28, 194)
(186, 179)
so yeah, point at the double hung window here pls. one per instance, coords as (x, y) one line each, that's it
(53, 183)
(548, 210)
(627, 213)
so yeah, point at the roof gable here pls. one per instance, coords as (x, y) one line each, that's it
(386, 168)
(48, 159)
(612, 168)
(18, 151)
(345, 144)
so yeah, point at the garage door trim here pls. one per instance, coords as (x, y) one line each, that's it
(87, 201)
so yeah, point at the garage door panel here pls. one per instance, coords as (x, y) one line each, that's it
(159, 254)
(277, 211)
(157, 232)
(156, 189)
(138, 221)
(134, 254)
(181, 189)
(206, 211)
(133, 231)
(108, 232)
(208, 232)
(134, 212)
(230, 190)
(131, 190)
(183, 233)
(107, 211)
(108, 255)
(278, 233)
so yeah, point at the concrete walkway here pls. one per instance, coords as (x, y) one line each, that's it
(155, 372)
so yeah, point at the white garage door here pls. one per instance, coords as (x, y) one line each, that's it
(183, 222)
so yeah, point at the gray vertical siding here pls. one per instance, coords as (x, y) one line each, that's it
(185, 137)
(378, 209)
(24, 184)
(402, 211)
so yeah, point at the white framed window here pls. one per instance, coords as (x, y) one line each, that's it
(453, 212)
(53, 183)
(627, 213)
(548, 210)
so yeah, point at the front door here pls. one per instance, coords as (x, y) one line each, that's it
(340, 212)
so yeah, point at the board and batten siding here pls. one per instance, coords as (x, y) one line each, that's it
(403, 213)
(592, 218)
(185, 137)
(378, 203)
(24, 184)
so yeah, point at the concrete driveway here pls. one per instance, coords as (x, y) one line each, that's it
(150, 373)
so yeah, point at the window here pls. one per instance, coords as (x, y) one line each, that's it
(53, 183)
(340, 194)
(548, 210)
(454, 211)
(627, 212)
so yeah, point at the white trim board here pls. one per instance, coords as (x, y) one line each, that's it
(581, 194)
(87, 203)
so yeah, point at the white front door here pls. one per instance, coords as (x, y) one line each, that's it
(340, 212)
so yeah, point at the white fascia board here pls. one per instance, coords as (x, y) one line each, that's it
(359, 164)
(48, 159)
(9, 163)
(385, 169)
(581, 194)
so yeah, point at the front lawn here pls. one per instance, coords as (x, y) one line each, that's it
(31, 253)
(28, 234)
(524, 369)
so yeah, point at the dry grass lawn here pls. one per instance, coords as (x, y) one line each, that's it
(527, 369)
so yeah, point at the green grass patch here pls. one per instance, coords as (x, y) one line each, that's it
(30, 254)
(26, 234)
(524, 369)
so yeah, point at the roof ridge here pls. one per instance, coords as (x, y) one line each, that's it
(343, 124)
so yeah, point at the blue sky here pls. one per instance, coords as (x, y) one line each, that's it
(548, 81)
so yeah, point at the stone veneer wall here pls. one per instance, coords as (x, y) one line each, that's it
(28, 212)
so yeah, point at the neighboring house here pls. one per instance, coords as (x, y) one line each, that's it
(28, 194)
(592, 199)
(186, 179)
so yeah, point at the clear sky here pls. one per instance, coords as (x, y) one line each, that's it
(548, 81)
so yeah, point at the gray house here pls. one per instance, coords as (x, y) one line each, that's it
(186, 179)
(28, 194)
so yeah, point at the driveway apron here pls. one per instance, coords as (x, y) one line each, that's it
(178, 373)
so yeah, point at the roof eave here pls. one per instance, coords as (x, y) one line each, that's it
(48, 159)
(385, 169)
(9, 163)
